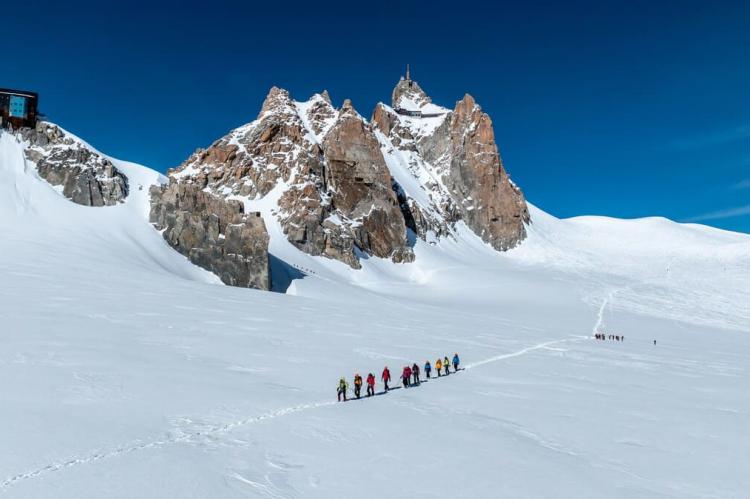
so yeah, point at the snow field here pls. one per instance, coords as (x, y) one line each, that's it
(127, 372)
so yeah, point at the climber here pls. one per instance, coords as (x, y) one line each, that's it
(386, 377)
(415, 373)
(370, 384)
(446, 365)
(455, 362)
(405, 376)
(438, 366)
(427, 369)
(357, 385)
(342, 388)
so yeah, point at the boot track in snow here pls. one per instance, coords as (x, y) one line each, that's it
(139, 446)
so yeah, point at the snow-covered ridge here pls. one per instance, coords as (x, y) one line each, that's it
(76, 170)
(110, 235)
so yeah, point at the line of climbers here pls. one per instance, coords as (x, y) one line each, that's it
(602, 336)
(409, 377)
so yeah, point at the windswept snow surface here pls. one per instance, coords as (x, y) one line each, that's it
(127, 372)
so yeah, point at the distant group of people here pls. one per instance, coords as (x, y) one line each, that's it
(615, 337)
(409, 377)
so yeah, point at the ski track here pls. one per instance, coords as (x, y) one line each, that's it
(139, 446)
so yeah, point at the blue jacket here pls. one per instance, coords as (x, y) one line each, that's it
(455, 359)
(427, 366)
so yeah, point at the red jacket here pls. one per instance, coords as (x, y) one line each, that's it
(386, 375)
(407, 372)
(371, 380)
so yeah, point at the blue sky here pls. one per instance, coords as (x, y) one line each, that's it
(626, 109)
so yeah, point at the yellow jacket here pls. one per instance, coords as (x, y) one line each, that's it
(439, 364)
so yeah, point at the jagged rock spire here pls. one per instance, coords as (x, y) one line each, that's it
(408, 94)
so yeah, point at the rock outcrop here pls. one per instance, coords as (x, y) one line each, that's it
(322, 167)
(213, 233)
(408, 96)
(339, 186)
(453, 159)
(84, 176)
(361, 189)
(490, 204)
(427, 207)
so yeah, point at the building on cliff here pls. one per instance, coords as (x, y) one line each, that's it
(410, 108)
(18, 108)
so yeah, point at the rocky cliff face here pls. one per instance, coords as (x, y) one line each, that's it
(84, 176)
(490, 204)
(214, 233)
(360, 187)
(339, 186)
(324, 169)
(453, 157)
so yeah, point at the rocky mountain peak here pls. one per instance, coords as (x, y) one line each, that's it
(341, 187)
(454, 159)
(409, 95)
(276, 99)
(318, 114)
(466, 106)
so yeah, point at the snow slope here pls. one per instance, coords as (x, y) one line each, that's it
(127, 372)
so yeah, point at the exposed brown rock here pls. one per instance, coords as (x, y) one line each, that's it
(489, 203)
(361, 187)
(86, 177)
(213, 233)
(323, 208)
(436, 218)
(457, 148)
(332, 190)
